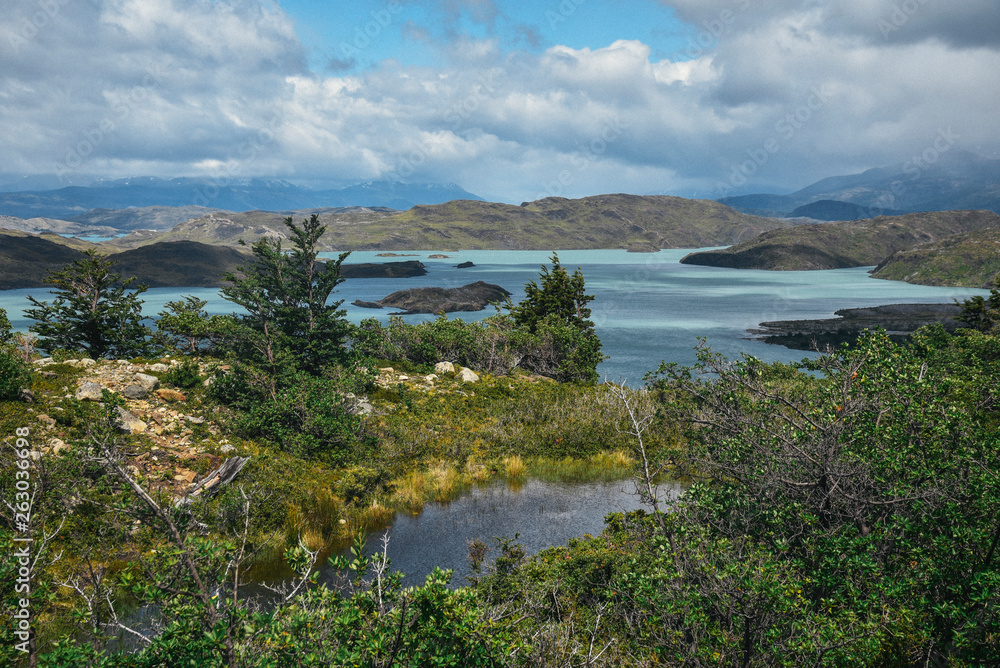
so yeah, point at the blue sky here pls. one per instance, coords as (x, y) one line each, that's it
(509, 99)
(411, 33)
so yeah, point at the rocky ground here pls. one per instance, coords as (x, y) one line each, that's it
(178, 440)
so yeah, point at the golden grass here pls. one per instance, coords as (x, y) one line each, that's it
(408, 492)
(444, 482)
(514, 466)
(476, 471)
(378, 515)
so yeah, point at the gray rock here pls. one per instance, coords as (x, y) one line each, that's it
(135, 392)
(85, 362)
(27, 396)
(226, 448)
(57, 445)
(158, 367)
(88, 391)
(148, 383)
(444, 367)
(128, 422)
(467, 375)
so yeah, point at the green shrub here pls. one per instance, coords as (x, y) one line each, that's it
(14, 374)
(308, 416)
(184, 375)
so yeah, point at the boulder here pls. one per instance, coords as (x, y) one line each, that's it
(86, 362)
(88, 391)
(135, 392)
(170, 395)
(467, 375)
(464, 265)
(444, 367)
(128, 422)
(158, 367)
(148, 383)
(56, 446)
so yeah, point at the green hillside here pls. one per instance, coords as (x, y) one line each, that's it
(843, 244)
(969, 259)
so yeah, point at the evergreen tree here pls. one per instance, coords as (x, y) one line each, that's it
(560, 295)
(6, 331)
(185, 325)
(14, 373)
(556, 313)
(290, 322)
(94, 311)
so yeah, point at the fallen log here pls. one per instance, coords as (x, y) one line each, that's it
(215, 480)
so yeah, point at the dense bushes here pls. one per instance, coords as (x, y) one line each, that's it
(14, 374)
(845, 516)
(307, 415)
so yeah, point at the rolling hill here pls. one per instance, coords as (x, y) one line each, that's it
(968, 259)
(843, 244)
(553, 223)
(232, 194)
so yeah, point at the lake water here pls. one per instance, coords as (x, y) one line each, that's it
(540, 514)
(648, 308)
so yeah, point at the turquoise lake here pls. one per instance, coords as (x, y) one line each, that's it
(648, 307)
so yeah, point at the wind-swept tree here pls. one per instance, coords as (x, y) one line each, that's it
(94, 311)
(289, 317)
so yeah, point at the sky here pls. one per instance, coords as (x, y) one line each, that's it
(512, 100)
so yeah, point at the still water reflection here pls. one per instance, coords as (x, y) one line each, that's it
(541, 514)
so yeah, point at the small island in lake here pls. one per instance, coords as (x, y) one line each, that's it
(404, 269)
(899, 321)
(472, 297)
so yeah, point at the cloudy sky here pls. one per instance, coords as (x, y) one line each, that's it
(511, 99)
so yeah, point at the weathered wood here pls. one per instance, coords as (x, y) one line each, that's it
(215, 480)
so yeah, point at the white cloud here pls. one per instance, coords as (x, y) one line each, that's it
(186, 86)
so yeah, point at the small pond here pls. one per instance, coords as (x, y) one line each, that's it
(540, 514)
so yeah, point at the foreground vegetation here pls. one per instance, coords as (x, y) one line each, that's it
(838, 512)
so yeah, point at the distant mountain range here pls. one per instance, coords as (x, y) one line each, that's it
(73, 202)
(953, 180)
